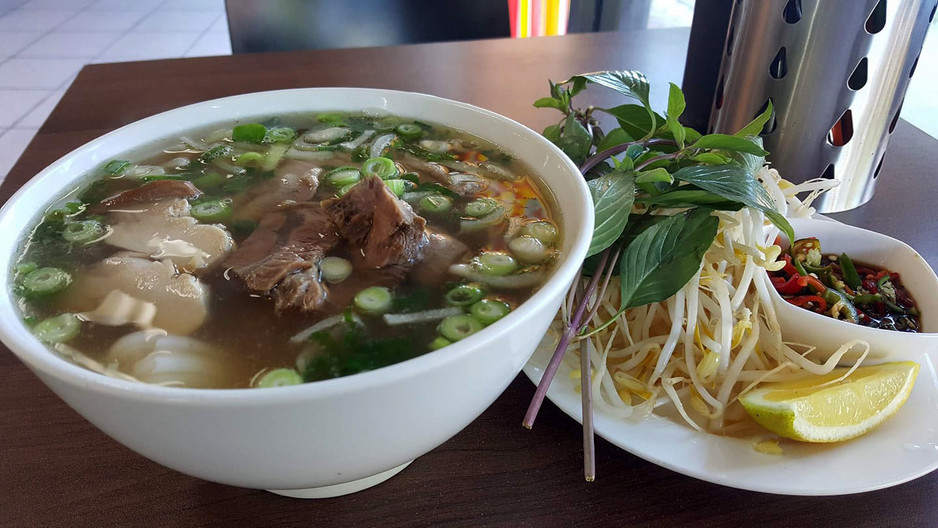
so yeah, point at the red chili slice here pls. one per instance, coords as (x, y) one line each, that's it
(819, 303)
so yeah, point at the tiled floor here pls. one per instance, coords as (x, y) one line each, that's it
(44, 43)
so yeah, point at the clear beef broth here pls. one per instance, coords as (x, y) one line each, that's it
(475, 221)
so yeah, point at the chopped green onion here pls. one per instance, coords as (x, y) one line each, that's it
(209, 181)
(331, 118)
(374, 300)
(212, 211)
(541, 230)
(387, 123)
(335, 269)
(529, 249)
(58, 329)
(250, 158)
(465, 294)
(115, 167)
(489, 310)
(380, 167)
(343, 176)
(342, 191)
(409, 131)
(439, 343)
(435, 203)
(480, 207)
(274, 155)
(459, 327)
(24, 268)
(280, 135)
(397, 186)
(281, 377)
(215, 152)
(251, 133)
(495, 263)
(46, 281)
(84, 232)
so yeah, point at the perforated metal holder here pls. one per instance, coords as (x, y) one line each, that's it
(836, 72)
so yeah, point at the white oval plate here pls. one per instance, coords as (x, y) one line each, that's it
(902, 449)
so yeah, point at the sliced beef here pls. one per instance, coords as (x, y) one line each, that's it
(303, 290)
(439, 253)
(295, 182)
(284, 243)
(148, 192)
(383, 228)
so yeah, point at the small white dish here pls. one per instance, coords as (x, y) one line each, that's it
(827, 334)
(902, 449)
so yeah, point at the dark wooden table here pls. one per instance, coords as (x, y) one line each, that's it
(58, 470)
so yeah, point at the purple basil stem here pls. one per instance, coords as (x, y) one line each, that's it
(571, 330)
(586, 396)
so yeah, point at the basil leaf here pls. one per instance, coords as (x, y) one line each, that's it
(579, 84)
(552, 133)
(665, 256)
(549, 102)
(690, 198)
(710, 158)
(629, 83)
(575, 141)
(676, 102)
(676, 105)
(751, 162)
(733, 143)
(635, 120)
(613, 195)
(654, 175)
(754, 128)
(734, 183)
(616, 137)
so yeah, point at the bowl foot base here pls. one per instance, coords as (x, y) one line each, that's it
(344, 488)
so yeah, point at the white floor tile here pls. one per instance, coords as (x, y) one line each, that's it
(38, 73)
(64, 5)
(25, 20)
(145, 46)
(103, 21)
(124, 5)
(12, 143)
(70, 44)
(161, 20)
(210, 44)
(194, 5)
(220, 25)
(37, 116)
(11, 42)
(17, 103)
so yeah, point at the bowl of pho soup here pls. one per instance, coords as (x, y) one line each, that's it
(300, 290)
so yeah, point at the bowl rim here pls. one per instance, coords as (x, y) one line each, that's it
(828, 223)
(38, 356)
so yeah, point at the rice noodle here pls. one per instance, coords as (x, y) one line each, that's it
(717, 338)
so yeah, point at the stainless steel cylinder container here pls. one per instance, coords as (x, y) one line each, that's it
(836, 72)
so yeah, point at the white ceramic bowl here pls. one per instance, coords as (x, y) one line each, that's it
(320, 439)
(827, 334)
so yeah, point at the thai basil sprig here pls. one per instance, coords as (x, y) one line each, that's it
(653, 162)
